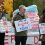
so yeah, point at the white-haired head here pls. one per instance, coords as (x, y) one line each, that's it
(22, 6)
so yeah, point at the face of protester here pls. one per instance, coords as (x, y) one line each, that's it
(22, 11)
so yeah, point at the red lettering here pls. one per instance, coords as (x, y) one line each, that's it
(12, 38)
(22, 24)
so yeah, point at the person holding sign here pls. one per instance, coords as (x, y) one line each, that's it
(20, 36)
(2, 33)
(43, 21)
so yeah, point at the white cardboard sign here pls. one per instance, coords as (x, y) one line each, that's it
(42, 28)
(26, 24)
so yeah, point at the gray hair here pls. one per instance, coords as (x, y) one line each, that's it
(22, 6)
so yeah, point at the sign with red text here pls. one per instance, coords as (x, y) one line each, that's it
(42, 28)
(21, 25)
(26, 24)
(6, 26)
(36, 40)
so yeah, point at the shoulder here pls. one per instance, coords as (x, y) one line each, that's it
(15, 16)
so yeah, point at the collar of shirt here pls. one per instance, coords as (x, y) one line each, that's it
(21, 14)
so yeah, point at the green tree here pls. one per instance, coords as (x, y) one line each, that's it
(39, 4)
(21, 2)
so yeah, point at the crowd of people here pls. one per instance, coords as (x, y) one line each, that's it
(19, 36)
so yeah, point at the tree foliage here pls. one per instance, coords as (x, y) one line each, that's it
(39, 4)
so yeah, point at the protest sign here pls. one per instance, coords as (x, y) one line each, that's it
(26, 24)
(33, 16)
(32, 8)
(42, 28)
(36, 40)
(6, 26)
(21, 25)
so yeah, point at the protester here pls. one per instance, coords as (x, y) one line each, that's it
(2, 33)
(20, 36)
(43, 21)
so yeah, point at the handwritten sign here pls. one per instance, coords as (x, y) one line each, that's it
(42, 28)
(2, 29)
(6, 26)
(21, 25)
(26, 24)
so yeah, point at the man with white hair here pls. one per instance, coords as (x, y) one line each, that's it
(20, 36)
